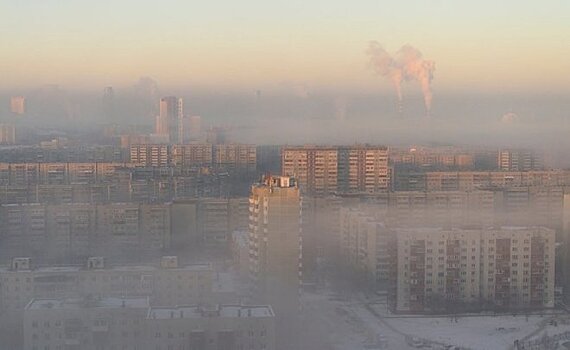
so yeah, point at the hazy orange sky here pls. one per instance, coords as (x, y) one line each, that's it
(485, 45)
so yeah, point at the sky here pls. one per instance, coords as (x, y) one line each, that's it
(486, 45)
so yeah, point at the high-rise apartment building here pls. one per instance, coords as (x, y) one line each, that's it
(346, 169)
(363, 169)
(235, 156)
(471, 180)
(195, 127)
(316, 168)
(439, 269)
(69, 231)
(18, 105)
(108, 103)
(365, 242)
(152, 155)
(519, 160)
(275, 249)
(192, 154)
(171, 119)
(7, 134)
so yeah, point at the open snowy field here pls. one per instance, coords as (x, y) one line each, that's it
(478, 332)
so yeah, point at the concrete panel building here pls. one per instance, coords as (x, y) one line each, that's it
(509, 268)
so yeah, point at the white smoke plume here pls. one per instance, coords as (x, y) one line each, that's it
(407, 64)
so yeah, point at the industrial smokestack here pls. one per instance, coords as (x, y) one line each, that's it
(408, 64)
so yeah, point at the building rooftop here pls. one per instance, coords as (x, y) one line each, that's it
(217, 311)
(84, 303)
(123, 268)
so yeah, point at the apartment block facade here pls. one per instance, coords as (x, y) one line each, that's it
(437, 269)
(345, 169)
(275, 251)
(166, 283)
(70, 231)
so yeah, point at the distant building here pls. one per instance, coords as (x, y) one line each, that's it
(235, 156)
(240, 252)
(55, 144)
(345, 169)
(471, 180)
(170, 120)
(447, 157)
(519, 160)
(153, 155)
(365, 247)
(216, 135)
(128, 140)
(315, 168)
(195, 127)
(439, 269)
(67, 232)
(108, 104)
(269, 159)
(363, 169)
(192, 154)
(209, 221)
(18, 105)
(7, 134)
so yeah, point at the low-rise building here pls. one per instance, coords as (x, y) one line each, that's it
(85, 323)
(130, 323)
(167, 284)
(211, 328)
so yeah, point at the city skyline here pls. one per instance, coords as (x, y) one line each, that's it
(483, 47)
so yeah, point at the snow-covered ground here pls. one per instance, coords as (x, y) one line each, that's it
(332, 323)
(482, 332)
(347, 324)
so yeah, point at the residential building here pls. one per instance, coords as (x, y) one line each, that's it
(170, 120)
(18, 105)
(234, 156)
(455, 269)
(345, 169)
(129, 323)
(67, 232)
(7, 134)
(153, 155)
(192, 154)
(220, 327)
(471, 180)
(519, 160)
(275, 250)
(85, 323)
(165, 284)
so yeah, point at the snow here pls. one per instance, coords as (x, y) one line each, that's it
(477, 331)
(348, 323)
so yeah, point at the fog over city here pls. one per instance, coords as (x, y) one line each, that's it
(284, 176)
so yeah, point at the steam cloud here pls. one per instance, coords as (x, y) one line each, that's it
(406, 65)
